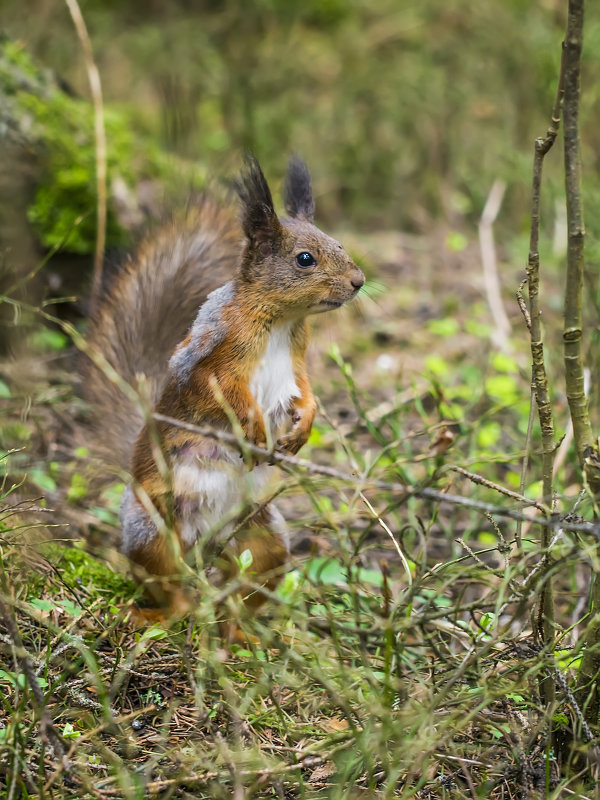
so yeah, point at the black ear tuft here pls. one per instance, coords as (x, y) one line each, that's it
(297, 191)
(259, 219)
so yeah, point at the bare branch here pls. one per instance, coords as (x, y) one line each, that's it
(100, 135)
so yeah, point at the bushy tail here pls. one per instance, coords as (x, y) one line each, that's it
(147, 310)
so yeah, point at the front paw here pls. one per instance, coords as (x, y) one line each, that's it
(292, 442)
(254, 459)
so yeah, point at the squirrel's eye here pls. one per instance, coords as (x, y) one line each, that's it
(305, 260)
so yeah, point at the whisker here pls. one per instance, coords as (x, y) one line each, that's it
(373, 288)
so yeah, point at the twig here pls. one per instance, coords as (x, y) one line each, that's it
(479, 479)
(528, 437)
(392, 537)
(229, 439)
(100, 136)
(501, 335)
(523, 305)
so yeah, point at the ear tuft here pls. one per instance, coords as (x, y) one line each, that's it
(259, 219)
(297, 190)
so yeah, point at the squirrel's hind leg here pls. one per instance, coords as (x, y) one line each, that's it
(156, 563)
(266, 538)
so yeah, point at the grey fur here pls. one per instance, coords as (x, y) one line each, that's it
(147, 311)
(206, 333)
(279, 525)
(138, 529)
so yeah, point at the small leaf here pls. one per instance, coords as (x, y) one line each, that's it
(155, 632)
(42, 605)
(489, 434)
(456, 241)
(437, 365)
(245, 560)
(42, 479)
(71, 608)
(502, 388)
(78, 488)
(69, 732)
(504, 363)
(328, 571)
(444, 327)
(104, 515)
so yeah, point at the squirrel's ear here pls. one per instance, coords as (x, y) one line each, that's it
(297, 190)
(259, 219)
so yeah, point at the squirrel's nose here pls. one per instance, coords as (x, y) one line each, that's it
(358, 280)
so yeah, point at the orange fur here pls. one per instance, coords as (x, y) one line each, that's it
(274, 288)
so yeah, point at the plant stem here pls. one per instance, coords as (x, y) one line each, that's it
(588, 693)
(572, 335)
(545, 616)
(100, 136)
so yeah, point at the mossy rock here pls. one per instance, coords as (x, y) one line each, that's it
(55, 129)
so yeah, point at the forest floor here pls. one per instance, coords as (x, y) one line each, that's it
(397, 658)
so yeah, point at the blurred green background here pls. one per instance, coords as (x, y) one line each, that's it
(406, 111)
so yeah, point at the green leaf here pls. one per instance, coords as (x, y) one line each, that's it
(326, 571)
(9, 677)
(372, 576)
(444, 327)
(488, 621)
(504, 363)
(42, 479)
(42, 605)
(290, 584)
(78, 488)
(437, 365)
(71, 608)
(245, 560)
(104, 515)
(489, 434)
(46, 340)
(566, 660)
(456, 241)
(479, 329)
(4, 390)
(155, 632)
(69, 732)
(502, 388)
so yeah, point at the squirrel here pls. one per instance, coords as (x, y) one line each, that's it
(214, 314)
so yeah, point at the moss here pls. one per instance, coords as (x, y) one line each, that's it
(76, 565)
(59, 129)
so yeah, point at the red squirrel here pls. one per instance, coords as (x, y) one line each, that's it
(214, 314)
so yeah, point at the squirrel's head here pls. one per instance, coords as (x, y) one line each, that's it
(296, 267)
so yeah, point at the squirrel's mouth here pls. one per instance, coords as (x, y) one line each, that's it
(331, 303)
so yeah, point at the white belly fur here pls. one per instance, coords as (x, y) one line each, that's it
(273, 383)
(213, 494)
(216, 489)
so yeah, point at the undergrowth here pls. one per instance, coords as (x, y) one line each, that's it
(396, 659)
